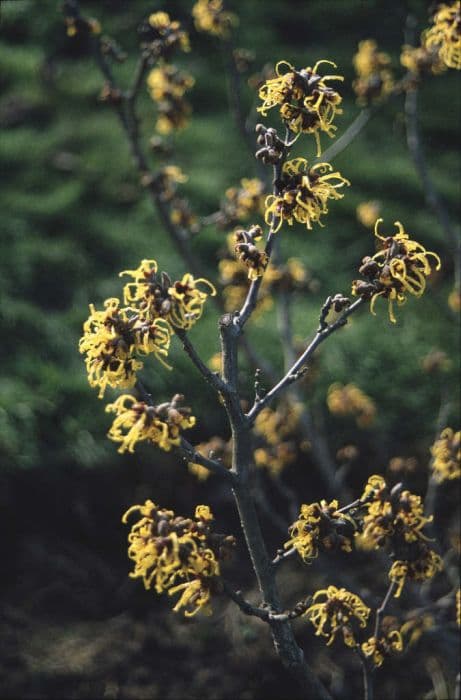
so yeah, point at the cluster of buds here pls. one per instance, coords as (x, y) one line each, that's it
(271, 145)
(167, 548)
(398, 269)
(256, 260)
(160, 36)
(137, 421)
(164, 181)
(374, 77)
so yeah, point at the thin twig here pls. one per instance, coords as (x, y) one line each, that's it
(367, 675)
(380, 611)
(189, 453)
(210, 377)
(298, 368)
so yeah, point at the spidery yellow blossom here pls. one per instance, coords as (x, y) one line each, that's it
(339, 611)
(136, 421)
(320, 526)
(304, 193)
(156, 296)
(167, 549)
(398, 269)
(424, 565)
(307, 103)
(445, 34)
(421, 61)
(379, 648)
(162, 35)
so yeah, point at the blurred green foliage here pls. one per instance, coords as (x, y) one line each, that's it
(74, 215)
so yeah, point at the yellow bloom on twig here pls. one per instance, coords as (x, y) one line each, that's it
(379, 648)
(307, 103)
(156, 296)
(166, 549)
(211, 18)
(423, 566)
(374, 77)
(445, 35)
(136, 421)
(340, 611)
(304, 193)
(399, 268)
(320, 526)
(446, 456)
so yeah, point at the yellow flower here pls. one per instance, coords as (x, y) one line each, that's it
(446, 456)
(162, 35)
(337, 613)
(348, 399)
(421, 61)
(379, 649)
(304, 194)
(276, 457)
(110, 339)
(368, 212)
(180, 303)
(445, 35)
(320, 526)
(276, 424)
(307, 103)
(167, 86)
(136, 421)
(454, 300)
(166, 548)
(425, 564)
(374, 78)
(210, 17)
(399, 268)
(241, 202)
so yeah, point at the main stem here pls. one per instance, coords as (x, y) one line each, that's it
(290, 654)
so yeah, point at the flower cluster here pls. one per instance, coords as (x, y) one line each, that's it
(303, 194)
(446, 456)
(114, 337)
(240, 203)
(348, 399)
(396, 518)
(276, 430)
(320, 526)
(445, 35)
(421, 61)
(211, 18)
(167, 86)
(379, 648)
(275, 458)
(137, 421)
(234, 278)
(111, 338)
(256, 260)
(155, 296)
(167, 549)
(307, 103)
(291, 276)
(374, 78)
(160, 36)
(398, 269)
(338, 611)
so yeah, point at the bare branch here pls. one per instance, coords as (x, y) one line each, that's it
(189, 453)
(300, 366)
(210, 377)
